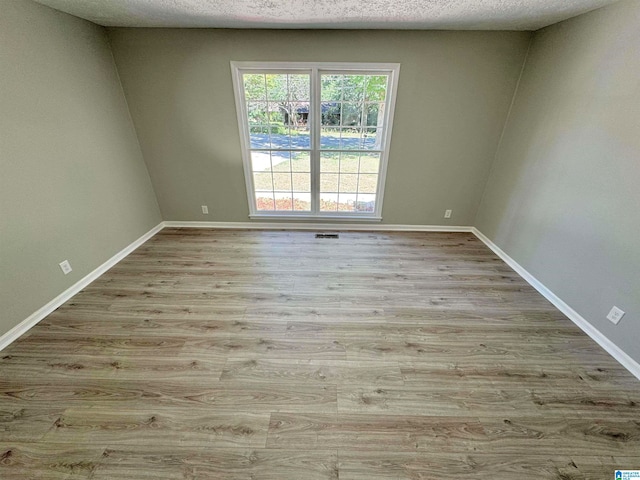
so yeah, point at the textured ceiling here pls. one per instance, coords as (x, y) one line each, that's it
(391, 14)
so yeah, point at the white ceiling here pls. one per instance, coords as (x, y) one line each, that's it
(387, 14)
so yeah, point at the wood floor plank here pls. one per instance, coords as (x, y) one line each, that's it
(357, 465)
(316, 313)
(515, 316)
(274, 347)
(74, 367)
(573, 436)
(543, 375)
(44, 461)
(178, 463)
(427, 329)
(311, 371)
(254, 397)
(370, 432)
(62, 344)
(487, 400)
(429, 348)
(195, 427)
(597, 402)
(455, 434)
(157, 325)
(21, 423)
(433, 401)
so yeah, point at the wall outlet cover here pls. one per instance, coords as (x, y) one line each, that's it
(66, 267)
(447, 213)
(615, 315)
(205, 210)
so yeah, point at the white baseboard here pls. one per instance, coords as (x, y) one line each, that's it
(611, 348)
(318, 226)
(42, 312)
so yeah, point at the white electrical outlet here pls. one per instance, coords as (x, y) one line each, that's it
(615, 315)
(66, 267)
(205, 210)
(447, 213)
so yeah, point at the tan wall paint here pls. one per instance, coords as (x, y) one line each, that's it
(455, 89)
(563, 199)
(73, 184)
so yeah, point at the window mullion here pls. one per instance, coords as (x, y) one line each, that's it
(316, 117)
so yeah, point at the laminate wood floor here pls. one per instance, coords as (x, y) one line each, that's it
(273, 355)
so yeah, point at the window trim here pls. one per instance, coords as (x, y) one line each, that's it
(315, 69)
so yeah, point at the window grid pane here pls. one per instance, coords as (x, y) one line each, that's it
(278, 108)
(353, 177)
(277, 186)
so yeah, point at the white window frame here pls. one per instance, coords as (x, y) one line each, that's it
(315, 69)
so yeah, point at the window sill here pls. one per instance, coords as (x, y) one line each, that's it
(339, 218)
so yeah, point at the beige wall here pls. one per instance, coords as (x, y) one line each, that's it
(455, 89)
(73, 184)
(563, 199)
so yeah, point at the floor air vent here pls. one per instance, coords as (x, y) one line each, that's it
(327, 235)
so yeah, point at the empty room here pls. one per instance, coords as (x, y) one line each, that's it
(309, 240)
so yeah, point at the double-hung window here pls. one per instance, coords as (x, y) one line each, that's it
(315, 137)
